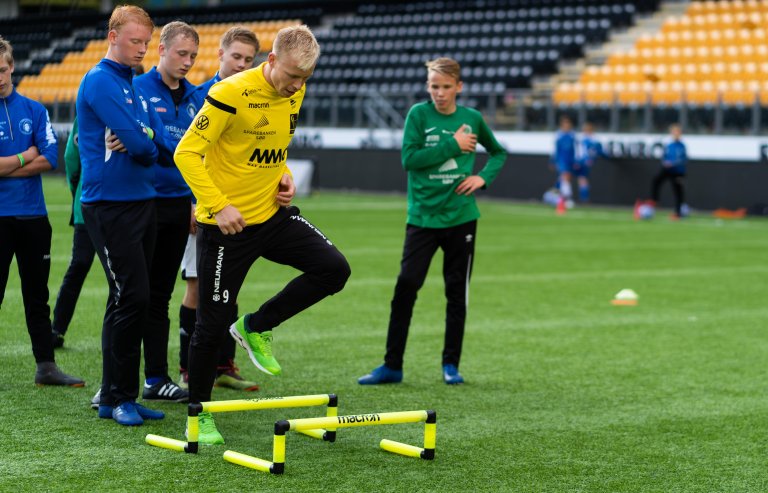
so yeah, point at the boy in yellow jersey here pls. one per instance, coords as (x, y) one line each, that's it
(233, 157)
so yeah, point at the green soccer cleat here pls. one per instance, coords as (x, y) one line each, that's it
(233, 380)
(207, 433)
(258, 345)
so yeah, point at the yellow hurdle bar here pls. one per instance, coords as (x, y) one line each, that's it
(265, 403)
(333, 422)
(311, 426)
(401, 448)
(247, 461)
(165, 442)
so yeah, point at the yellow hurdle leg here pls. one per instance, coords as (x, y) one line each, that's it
(247, 461)
(401, 448)
(165, 442)
(193, 429)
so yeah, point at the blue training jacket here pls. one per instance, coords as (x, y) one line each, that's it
(168, 180)
(25, 123)
(107, 102)
(675, 157)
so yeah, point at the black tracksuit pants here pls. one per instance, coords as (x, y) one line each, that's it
(29, 239)
(458, 244)
(222, 264)
(173, 215)
(677, 186)
(82, 259)
(123, 235)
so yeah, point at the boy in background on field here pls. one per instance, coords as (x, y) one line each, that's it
(588, 150)
(564, 158)
(439, 142)
(673, 168)
(673, 165)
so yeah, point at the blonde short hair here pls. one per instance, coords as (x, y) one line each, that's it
(299, 42)
(124, 14)
(6, 50)
(178, 28)
(446, 66)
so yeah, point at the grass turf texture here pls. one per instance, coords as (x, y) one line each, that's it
(564, 392)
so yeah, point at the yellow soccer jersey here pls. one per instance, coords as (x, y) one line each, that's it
(235, 150)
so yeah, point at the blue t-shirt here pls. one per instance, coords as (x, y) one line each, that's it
(176, 119)
(108, 102)
(675, 157)
(588, 150)
(24, 123)
(565, 151)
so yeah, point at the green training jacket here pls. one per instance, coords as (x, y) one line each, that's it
(436, 165)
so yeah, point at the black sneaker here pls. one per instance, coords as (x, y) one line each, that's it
(164, 391)
(49, 374)
(58, 340)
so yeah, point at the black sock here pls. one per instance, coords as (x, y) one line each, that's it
(187, 318)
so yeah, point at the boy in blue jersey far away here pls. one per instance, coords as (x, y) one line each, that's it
(28, 147)
(588, 150)
(564, 158)
(673, 168)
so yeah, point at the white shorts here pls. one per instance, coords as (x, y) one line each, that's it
(189, 261)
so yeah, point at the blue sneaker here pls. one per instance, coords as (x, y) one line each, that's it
(451, 375)
(381, 374)
(105, 412)
(125, 414)
(148, 413)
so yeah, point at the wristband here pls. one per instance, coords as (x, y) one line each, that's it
(150, 133)
(21, 160)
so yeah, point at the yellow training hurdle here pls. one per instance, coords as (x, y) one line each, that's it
(191, 445)
(277, 465)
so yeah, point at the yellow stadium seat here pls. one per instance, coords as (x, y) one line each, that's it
(567, 94)
(667, 94)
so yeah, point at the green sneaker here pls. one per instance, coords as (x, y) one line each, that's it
(258, 345)
(207, 432)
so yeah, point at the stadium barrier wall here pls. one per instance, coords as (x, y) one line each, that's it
(710, 184)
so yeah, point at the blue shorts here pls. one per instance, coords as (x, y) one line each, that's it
(564, 167)
(580, 169)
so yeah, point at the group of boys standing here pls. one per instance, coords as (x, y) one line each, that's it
(149, 146)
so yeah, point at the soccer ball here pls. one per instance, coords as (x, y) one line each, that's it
(645, 211)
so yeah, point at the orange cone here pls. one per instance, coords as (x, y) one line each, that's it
(560, 210)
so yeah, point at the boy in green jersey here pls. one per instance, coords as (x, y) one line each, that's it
(438, 153)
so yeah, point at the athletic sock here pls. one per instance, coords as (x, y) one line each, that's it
(584, 193)
(565, 189)
(187, 319)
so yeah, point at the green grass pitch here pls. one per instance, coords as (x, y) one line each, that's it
(565, 392)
